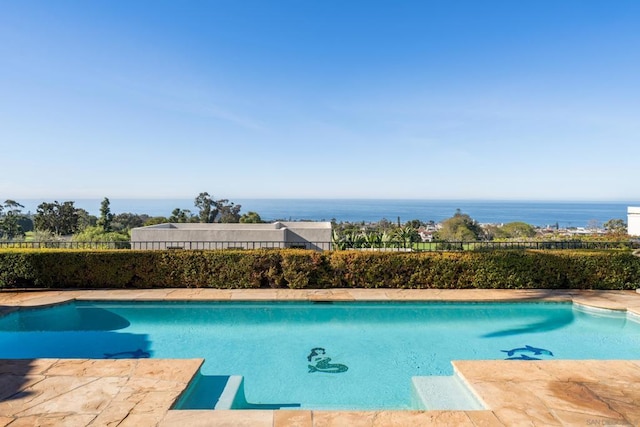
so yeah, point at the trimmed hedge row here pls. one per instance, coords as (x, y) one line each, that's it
(598, 269)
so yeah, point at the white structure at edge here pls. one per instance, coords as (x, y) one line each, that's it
(633, 221)
(308, 235)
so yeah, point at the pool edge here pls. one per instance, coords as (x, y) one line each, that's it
(578, 385)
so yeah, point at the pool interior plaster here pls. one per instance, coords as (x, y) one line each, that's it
(141, 392)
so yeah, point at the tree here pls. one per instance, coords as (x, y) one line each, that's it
(460, 227)
(26, 223)
(385, 224)
(207, 210)
(85, 219)
(407, 235)
(98, 235)
(181, 215)
(11, 219)
(46, 236)
(106, 216)
(349, 239)
(615, 226)
(251, 218)
(228, 212)
(593, 225)
(414, 223)
(515, 230)
(57, 218)
(127, 221)
(156, 220)
(490, 231)
(371, 239)
(210, 210)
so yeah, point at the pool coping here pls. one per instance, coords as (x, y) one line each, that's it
(557, 392)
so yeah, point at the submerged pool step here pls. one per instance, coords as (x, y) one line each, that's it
(443, 393)
(227, 392)
(222, 393)
(232, 396)
(209, 392)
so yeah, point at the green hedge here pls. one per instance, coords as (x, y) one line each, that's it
(299, 269)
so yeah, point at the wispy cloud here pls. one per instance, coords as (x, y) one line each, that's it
(220, 113)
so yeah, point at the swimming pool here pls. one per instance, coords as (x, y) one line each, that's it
(341, 355)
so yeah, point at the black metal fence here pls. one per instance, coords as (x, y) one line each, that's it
(63, 244)
(486, 245)
(218, 245)
(363, 246)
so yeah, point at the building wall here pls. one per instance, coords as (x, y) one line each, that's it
(633, 221)
(223, 236)
(308, 232)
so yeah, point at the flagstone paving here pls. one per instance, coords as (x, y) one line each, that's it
(81, 392)
(141, 392)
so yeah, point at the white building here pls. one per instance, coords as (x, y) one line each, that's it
(308, 235)
(633, 221)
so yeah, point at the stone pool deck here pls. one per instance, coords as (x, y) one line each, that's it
(140, 392)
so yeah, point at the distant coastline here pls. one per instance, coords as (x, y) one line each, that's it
(537, 213)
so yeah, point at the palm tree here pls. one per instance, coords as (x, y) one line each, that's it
(371, 239)
(406, 235)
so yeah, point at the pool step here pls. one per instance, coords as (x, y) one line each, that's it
(227, 392)
(443, 393)
(232, 397)
(212, 391)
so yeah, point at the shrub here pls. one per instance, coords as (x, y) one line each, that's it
(298, 269)
(304, 269)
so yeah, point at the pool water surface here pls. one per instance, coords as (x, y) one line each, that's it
(340, 355)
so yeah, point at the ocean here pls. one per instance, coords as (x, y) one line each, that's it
(537, 213)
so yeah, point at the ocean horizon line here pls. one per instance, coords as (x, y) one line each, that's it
(537, 213)
(436, 199)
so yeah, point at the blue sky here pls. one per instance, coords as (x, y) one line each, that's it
(422, 99)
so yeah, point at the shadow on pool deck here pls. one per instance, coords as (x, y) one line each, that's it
(15, 376)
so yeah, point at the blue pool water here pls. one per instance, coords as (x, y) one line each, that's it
(309, 355)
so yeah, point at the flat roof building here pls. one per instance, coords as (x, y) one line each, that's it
(281, 234)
